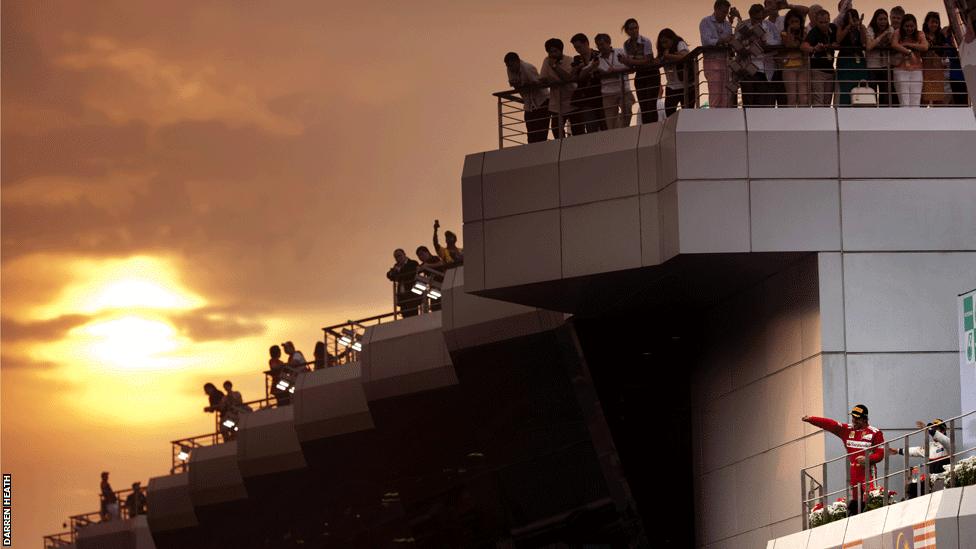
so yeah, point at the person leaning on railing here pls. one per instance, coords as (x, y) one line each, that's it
(796, 78)
(672, 51)
(752, 37)
(820, 44)
(911, 43)
(851, 63)
(639, 55)
(402, 274)
(617, 97)
(557, 72)
(716, 30)
(857, 436)
(934, 62)
(108, 503)
(587, 98)
(878, 36)
(774, 60)
(524, 78)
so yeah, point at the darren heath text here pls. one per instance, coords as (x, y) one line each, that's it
(8, 535)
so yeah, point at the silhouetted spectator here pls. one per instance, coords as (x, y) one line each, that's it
(523, 77)
(852, 66)
(820, 44)
(587, 98)
(320, 357)
(135, 503)
(109, 504)
(295, 357)
(716, 30)
(910, 41)
(557, 72)
(429, 260)
(215, 397)
(234, 400)
(451, 255)
(753, 34)
(639, 55)
(276, 366)
(618, 99)
(672, 51)
(402, 274)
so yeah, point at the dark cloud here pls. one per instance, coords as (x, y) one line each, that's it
(211, 324)
(79, 151)
(14, 331)
(23, 363)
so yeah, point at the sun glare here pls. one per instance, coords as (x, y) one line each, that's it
(130, 342)
(134, 283)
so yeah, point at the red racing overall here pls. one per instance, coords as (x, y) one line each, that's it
(856, 440)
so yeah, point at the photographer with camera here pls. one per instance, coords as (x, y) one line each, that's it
(402, 275)
(820, 44)
(851, 63)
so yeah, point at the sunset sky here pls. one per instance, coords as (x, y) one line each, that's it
(185, 183)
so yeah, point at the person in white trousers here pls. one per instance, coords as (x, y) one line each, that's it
(911, 43)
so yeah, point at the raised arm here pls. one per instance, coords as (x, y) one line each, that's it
(437, 245)
(826, 424)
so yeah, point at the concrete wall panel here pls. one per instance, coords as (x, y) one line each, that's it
(795, 215)
(650, 227)
(169, 503)
(474, 255)
(599, 166)
(923, 133)
(807, 137)
(753, 512)
(902, 388)
(718, 522)
(601, 237)
(904, 301)
(909, 215)
(331, 402)
(784, 395)
(521, 179)
(406, 356)
(215, 476)
(713, 216)
(267, 442)
(471, 192)
(649, 166)
(781, 486)
(522, 249)
(865, 526)
(710, 144)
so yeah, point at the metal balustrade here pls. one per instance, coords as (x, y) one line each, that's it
(814, 479)
(800, 87)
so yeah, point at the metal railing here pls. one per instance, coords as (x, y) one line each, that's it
(715, 77)
(814, 490)
(182, 449)
(80, 521)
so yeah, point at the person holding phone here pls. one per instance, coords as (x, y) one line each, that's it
(796, 78)
(820, 44)
(716, 30)
(639, 55)
(851, 63)
(911, 43)
(878, 44)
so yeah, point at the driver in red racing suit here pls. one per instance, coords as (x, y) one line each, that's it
(857, 436)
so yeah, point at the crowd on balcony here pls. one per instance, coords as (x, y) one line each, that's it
(416, 285)
(799, 58)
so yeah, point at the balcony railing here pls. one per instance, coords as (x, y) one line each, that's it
(813, 480)
(78, 522)
(710, 78)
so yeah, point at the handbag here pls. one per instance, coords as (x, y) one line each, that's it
(863, 95)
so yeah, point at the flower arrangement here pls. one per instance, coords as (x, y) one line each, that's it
(876, 499)
(834, 511)
(965, 472)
